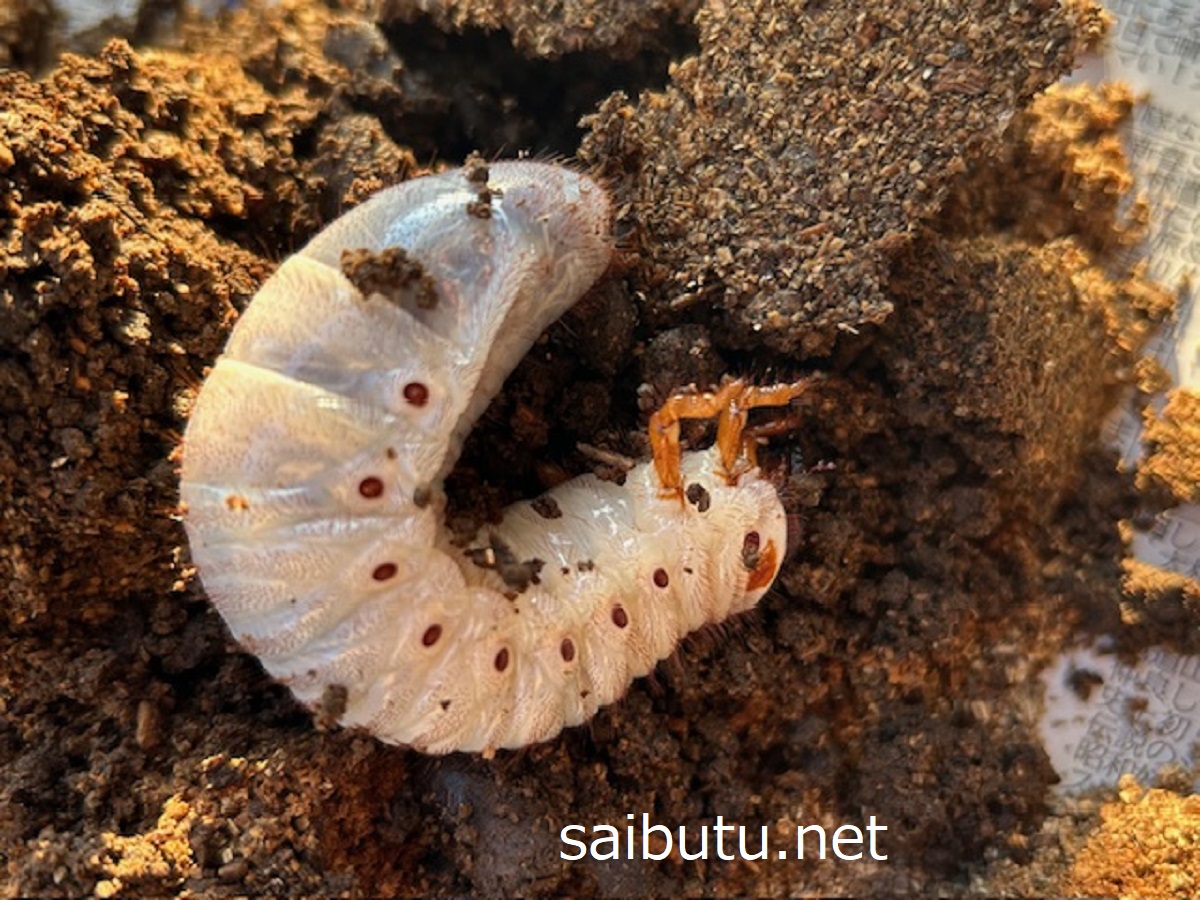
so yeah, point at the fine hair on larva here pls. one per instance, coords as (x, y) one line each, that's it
(315, 454)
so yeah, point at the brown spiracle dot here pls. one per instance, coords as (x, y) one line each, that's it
(546, 507)
(501, 660)
(620, 617)
(384, 571)
(698, 497)
(567, 649)
(371, 487)
(416, 393)
(661, 578)
(750, 547)
(431, 635)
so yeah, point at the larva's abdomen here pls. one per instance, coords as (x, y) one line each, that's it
(624, 575)
(314, 457)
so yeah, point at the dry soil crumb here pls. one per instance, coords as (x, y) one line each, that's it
(162, 856)
(1173, 438)
(1166, 599)
(1147, 845)
(109, 280)
(1167, 602)
(1071, 175)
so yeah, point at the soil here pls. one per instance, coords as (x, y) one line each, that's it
(1174, 436)
(801, 187)
(1147, 845)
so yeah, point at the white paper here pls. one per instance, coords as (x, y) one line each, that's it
(1104, 718)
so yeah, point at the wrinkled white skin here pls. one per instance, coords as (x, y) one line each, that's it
(308, 401)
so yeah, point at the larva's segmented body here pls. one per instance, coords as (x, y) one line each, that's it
(315, 454)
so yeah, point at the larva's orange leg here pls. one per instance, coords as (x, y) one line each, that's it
(664, 429)
(753, 434)
(736, 443)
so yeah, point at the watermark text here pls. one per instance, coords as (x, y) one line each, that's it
(722, 841)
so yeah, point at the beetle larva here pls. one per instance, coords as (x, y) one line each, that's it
(314, 458)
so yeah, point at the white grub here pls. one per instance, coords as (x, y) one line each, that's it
(313, 466)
